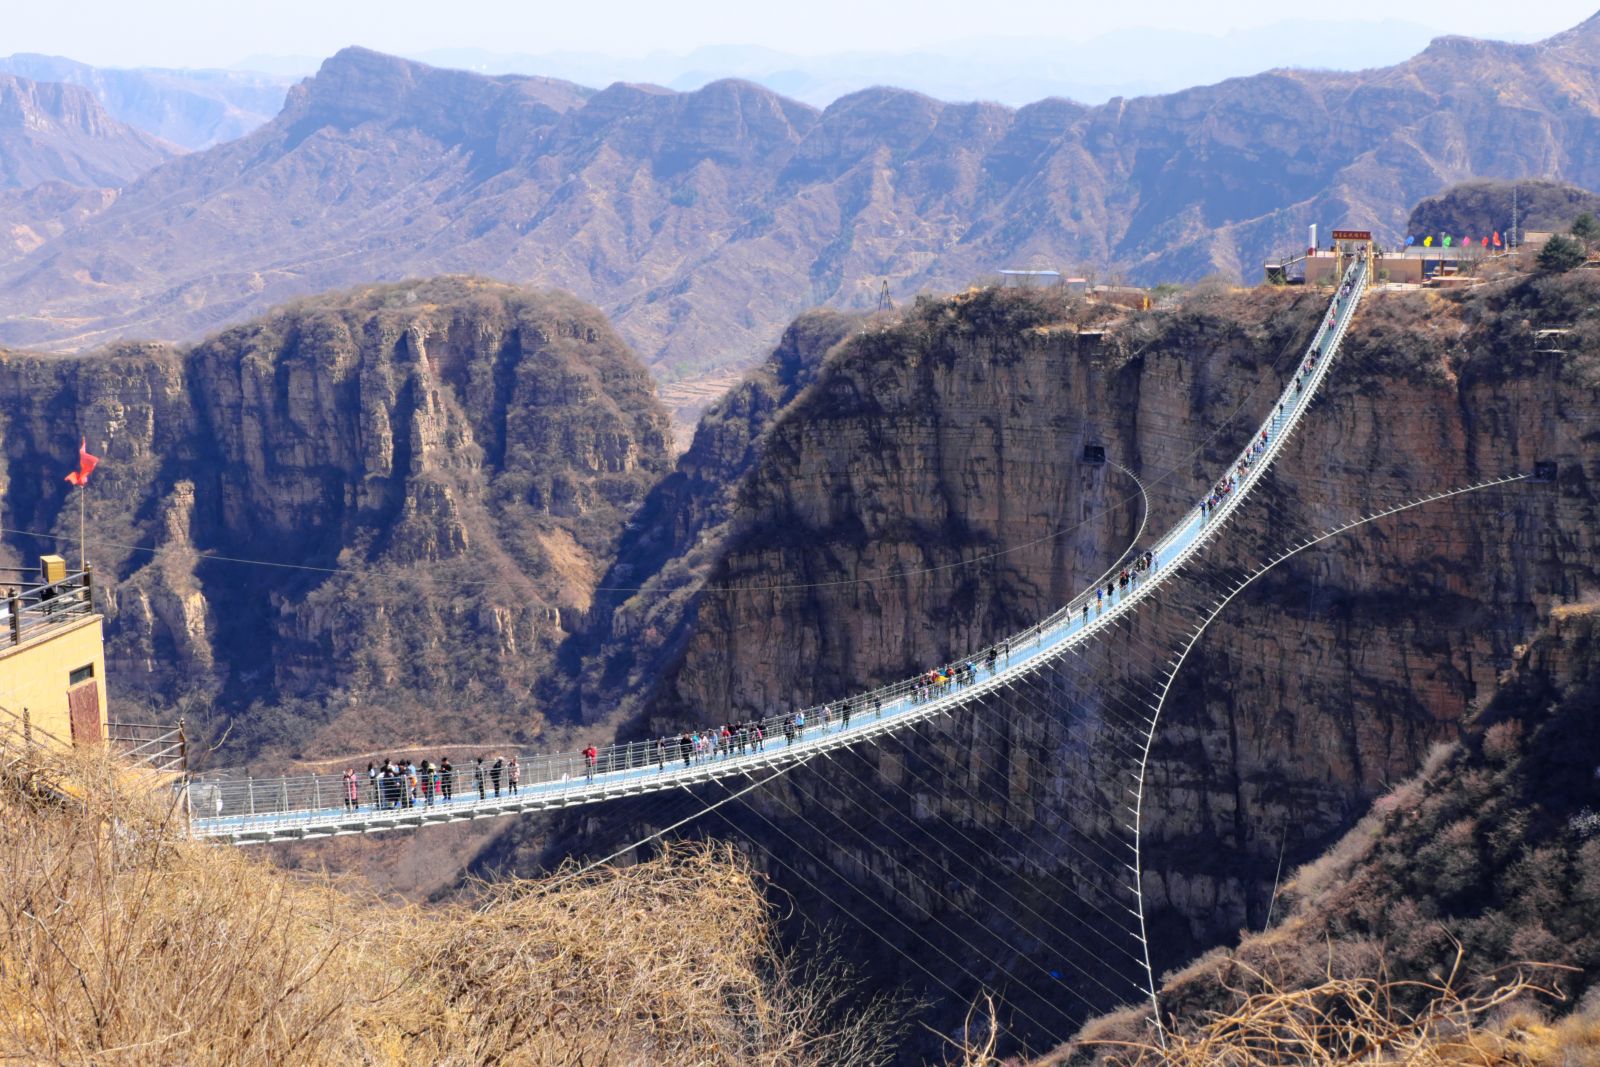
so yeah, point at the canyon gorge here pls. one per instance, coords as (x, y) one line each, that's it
(468, 527)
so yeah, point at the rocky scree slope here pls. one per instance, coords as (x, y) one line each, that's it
(954, 434)
(462, 453)
(703, 222)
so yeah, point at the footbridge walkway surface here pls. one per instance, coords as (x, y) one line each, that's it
(247, 810)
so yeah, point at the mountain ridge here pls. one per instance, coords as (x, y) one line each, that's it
(701, 222)
(50, 131)
(192, 108)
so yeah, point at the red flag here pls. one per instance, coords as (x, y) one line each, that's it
(86, 464)
(1497, 238)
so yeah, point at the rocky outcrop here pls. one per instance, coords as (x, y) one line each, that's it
(401, 496)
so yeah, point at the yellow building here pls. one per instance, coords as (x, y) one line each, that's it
(52, 657)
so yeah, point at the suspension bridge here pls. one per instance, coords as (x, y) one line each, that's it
(245, 810)
(1089, 931)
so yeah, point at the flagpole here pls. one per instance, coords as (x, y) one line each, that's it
(83, 551)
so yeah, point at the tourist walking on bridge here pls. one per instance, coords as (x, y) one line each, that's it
(513, 774)
(590, 756)
(477, 778)
(447, 779)
(351, 799)
(495, 771)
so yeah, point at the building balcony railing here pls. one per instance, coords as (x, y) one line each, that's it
(31, 611)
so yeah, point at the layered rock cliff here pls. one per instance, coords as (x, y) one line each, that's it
(374, 514)
(925, 494)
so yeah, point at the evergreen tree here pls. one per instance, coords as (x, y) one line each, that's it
(1560, 254)
(1586, 228)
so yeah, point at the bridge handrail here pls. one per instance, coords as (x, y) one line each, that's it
(313, 795)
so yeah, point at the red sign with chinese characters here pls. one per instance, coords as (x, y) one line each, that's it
(1352, 235)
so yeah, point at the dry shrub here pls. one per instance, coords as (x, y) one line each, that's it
(123, 942)
(980, 1037)
(1365, 1021)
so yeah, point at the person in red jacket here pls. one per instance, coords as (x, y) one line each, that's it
(590, 754)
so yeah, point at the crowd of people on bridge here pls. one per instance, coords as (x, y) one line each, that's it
(1303, 374)
(409, 784)
(391, 785)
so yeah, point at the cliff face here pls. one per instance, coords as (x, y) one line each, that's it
(427, 478)
(650, 597)
(925, 494)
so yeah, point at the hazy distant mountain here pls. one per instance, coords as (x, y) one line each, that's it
(701, 222)
(52, 132)
(1006, 70)
(192, 108)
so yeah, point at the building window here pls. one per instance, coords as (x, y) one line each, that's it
(82, 674)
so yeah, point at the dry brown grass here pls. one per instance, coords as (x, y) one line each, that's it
(1347, 1021)
(122, 942)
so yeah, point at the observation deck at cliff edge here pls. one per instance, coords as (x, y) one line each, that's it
(247, 810)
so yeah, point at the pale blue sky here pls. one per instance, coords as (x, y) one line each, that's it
(212, 33)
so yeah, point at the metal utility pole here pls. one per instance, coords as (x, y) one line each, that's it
(1512, 243)
(884, 303)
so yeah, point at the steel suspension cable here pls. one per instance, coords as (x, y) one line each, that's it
(1211, 616)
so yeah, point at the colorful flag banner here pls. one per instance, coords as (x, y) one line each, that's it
(86, 464)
